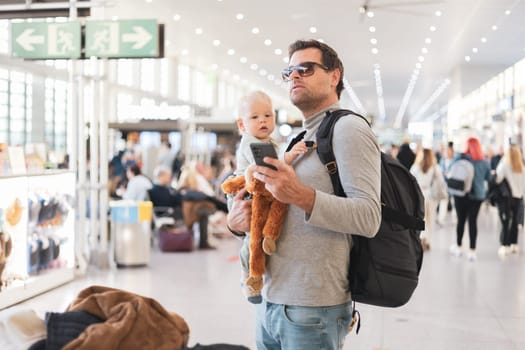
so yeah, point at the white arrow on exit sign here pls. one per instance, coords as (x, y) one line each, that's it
(140, 37)
(27, 40)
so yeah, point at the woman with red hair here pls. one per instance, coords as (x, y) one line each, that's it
(467, 207)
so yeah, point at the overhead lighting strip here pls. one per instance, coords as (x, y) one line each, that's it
(440, 89)
(355, 100)
(413, 78)
(379, 91)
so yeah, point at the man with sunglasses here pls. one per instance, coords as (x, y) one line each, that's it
(307, 304)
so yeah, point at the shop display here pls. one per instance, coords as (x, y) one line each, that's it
(37, 224)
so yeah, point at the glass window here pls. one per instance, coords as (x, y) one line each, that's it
(164, 77)
(183, 84)
(147, 74)
(125, 66)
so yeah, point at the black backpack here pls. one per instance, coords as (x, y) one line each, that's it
(384, 270)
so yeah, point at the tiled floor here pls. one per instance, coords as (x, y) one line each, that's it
(459, 305)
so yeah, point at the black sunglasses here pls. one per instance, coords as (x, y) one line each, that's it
(305, 69)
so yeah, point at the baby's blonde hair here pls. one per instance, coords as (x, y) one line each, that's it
(249, 98)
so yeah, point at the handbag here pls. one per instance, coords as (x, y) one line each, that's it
(175, 239)
(438, 188)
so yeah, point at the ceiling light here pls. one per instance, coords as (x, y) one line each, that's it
(114, 18)
(373, 41)
(214, 66)
(231, 52)
(236, 77)
(185, 52)
(198, 31)
(149, 1)
(278, 52)
(428, 40)
(467, 58)
(421, 58)
(271, 77)
(254, 66)
(216, 42)
(370, 14)
(438, 13)
(176, 17)
(483, 40)
(433, 28)
(263, 72)
(167, 43)
(375, 51)
(243, 59)
(475, 49)
(494, 27)
(286, 59)
(424, 50)
(507, 12)
(267, 42)
(255, 30)
(226, 72)
(313, 30)
(418, 65)
(239, 16)
(372, 29)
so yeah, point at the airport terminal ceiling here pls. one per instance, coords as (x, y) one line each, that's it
(393, 51)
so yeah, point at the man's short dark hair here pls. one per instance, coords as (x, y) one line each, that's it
(450, 144)
(329, 57)
(135, 169)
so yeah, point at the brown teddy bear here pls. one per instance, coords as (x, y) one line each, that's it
(266, 220)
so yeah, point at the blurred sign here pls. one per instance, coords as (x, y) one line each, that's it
(46, 40)
(124, 38)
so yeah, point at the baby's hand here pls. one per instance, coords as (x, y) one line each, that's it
(248, 173)
(298, 149)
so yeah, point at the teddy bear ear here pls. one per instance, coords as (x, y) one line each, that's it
(233, 184)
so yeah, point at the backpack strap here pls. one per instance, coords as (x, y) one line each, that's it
(324, 145)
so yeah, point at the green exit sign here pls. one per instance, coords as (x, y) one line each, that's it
(123, 38)
(40, 40)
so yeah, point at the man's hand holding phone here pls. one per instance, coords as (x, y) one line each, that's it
(261, 150)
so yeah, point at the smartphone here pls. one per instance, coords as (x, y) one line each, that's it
(261, 150)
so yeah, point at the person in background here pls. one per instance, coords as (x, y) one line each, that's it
(394, 150)
(405, 155)
(426, 171)
(306, 300)
(138, 184)
(511, 169)
(165, 156)
(467, 207)
(445, 205)
(495, 158)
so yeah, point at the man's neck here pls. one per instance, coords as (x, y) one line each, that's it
(308, 113)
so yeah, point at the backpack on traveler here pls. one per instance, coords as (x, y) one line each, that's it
(459, 177)
(384, 270)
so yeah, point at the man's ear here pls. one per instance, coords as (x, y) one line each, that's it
(240, 125)
(336, 76)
